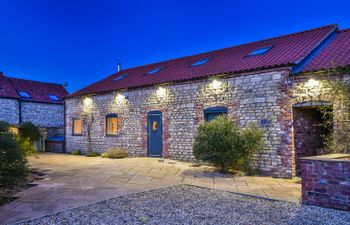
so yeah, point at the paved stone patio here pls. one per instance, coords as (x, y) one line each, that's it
(72, 181)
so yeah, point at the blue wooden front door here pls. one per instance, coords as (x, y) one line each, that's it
(154, 134)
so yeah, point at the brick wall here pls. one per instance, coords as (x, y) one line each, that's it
(9, 110)
(326, 181)
(42, 114)
(249, 98)
(307, 133)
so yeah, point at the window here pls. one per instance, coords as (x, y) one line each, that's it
(153, 71)
(120, 77)
(24, 94)
(111, 124)
(212, 113)
(77, 126)
(155, 125)
(260, 51)
(54, 97)
(200, 62)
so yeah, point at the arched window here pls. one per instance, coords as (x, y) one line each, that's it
(111, 124)
(211, 113)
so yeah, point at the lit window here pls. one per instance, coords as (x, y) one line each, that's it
(24, 94)
(260, 51)
(212, 113)
(120, 77)
(155, 125)
(54, 98)
(153, 71)
(200, 62)
(112, 124)
(77, 126)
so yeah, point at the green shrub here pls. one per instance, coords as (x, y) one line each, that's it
(221, 142)
(91, 154)
(116, 153)
(28, 134)
(104, 155)
(76, 152)
(13, 163)
(252, 143)
(27, 130)
(4, 127)
(27, 147)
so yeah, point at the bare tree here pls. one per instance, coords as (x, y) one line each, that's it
(87, 116)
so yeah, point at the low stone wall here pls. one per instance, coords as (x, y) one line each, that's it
(326, 181)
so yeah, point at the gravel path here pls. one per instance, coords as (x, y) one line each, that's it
(186, 204)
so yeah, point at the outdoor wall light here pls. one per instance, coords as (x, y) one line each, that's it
(87, 105)
(126, 95)
(312, 83)
(161, 91)
(87, 101)
(120, 97)
(215, 84)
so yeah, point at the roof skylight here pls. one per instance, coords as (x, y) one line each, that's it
(200, 62)
(24, 94)
(260, 51)
(120, 77)
(54, 97)
(153, 71)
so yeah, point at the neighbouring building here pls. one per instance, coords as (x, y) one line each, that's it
(41, 103)
(154, 110)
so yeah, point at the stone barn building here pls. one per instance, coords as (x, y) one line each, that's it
(38, 102)
(154, 110)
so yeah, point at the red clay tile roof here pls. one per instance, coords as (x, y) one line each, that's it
(335, 54)
(6, 89)
(39, 91)
(286, 50)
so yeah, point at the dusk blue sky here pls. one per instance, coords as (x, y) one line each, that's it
(81, 41)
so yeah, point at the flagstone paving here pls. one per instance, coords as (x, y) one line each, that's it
(73, 181)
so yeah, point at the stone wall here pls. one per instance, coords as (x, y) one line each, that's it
(9, 111)
(263, 98)
(326, 181)
(42, 114)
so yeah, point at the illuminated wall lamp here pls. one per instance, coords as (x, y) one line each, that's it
(215, 84)
(122, 96)
(87, 101)
(161, 91)
(313, 83)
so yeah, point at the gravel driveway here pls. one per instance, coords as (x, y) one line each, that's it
(185, 204)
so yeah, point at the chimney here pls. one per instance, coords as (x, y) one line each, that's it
(118, 67)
